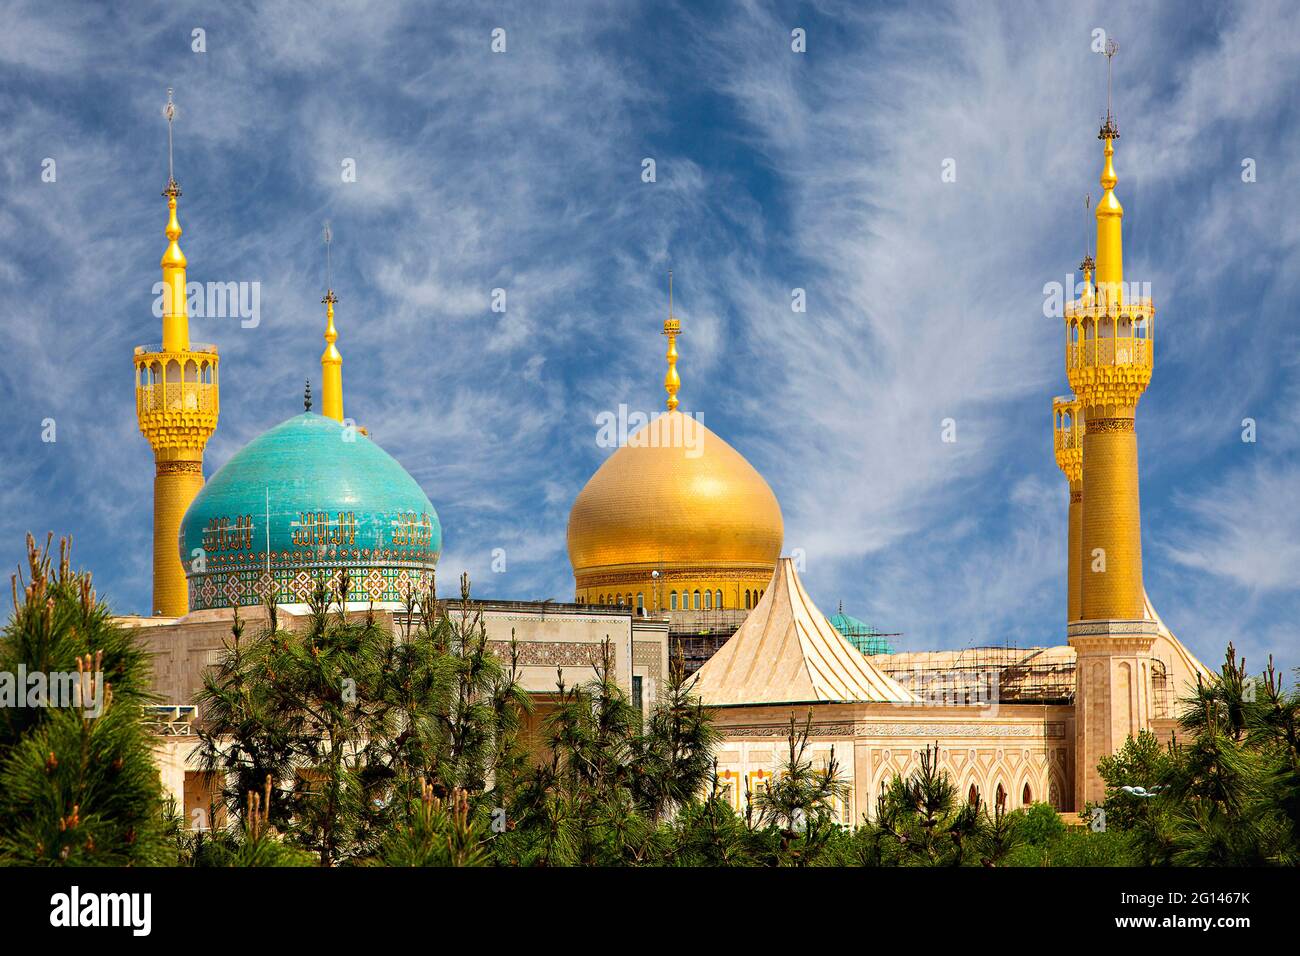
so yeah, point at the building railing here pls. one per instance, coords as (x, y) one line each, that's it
(1100, 351)
(177, 397)
(206, 348)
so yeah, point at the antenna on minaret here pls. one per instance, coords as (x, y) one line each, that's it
(1087, 233)
(1112, 48)
(329, 236)
(169, 111)
(670, 294)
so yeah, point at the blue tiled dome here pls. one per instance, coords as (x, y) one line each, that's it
(307, 500)
(861, 634)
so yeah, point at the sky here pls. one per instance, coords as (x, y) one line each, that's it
(774, 170)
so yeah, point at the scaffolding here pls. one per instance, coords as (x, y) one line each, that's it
(697, 635)
(983, 675)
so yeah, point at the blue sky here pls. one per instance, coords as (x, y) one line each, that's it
(775, 170)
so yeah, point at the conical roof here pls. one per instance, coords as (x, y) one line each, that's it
(787, 652)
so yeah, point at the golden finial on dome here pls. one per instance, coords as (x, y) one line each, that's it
(176, 323)
(331, 360)
(672, 329)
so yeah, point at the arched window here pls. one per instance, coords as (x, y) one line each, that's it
(717, 599)
(1001, 797)
(697, 603)
(708, 600)
(1026, 795)
(640, 600)
(747, 604)
(973, 794)
(672, 601)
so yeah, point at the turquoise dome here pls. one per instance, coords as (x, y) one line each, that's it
(305, 501)
(860, 634)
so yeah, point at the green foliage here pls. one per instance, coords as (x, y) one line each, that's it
(436, 834)
(1040, 824)
(77, 788)
(1228, 796)
(355, 725)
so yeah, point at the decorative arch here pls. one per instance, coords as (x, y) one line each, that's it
(1026, 795)
(1055, 792)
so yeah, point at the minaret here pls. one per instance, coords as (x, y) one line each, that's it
(331, 362)
(176, 405)
(1067, 421)
(672, 329)
(1109, 361)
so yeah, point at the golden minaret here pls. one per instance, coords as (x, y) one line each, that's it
(176, 405)
(1108, 359)
(331, 361)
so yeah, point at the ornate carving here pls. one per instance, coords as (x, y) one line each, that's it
(648, 656)
(551, 653)
(180, 468)
(1049, 729)
(1110, 425)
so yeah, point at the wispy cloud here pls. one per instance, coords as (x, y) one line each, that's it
(775, 171)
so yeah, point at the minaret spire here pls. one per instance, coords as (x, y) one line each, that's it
(331, 361)
(1110, 214)
(672, 328)
(177, 404)
(176, 323)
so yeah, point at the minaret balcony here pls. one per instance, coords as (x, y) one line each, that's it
(1067, 432)
(1098, 336)
(176, 391)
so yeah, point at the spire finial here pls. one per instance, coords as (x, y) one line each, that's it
(1110, 214)
(672, 328)
(176, 321)
(1112, 48)
(1108, 129)
(331, 361)
(306, 396)
(169, 111)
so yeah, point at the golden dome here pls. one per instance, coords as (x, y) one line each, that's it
(674, 497)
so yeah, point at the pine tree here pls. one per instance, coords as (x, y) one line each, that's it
(930, 825)
(78, 783)
(673, 758)
(800, 800)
